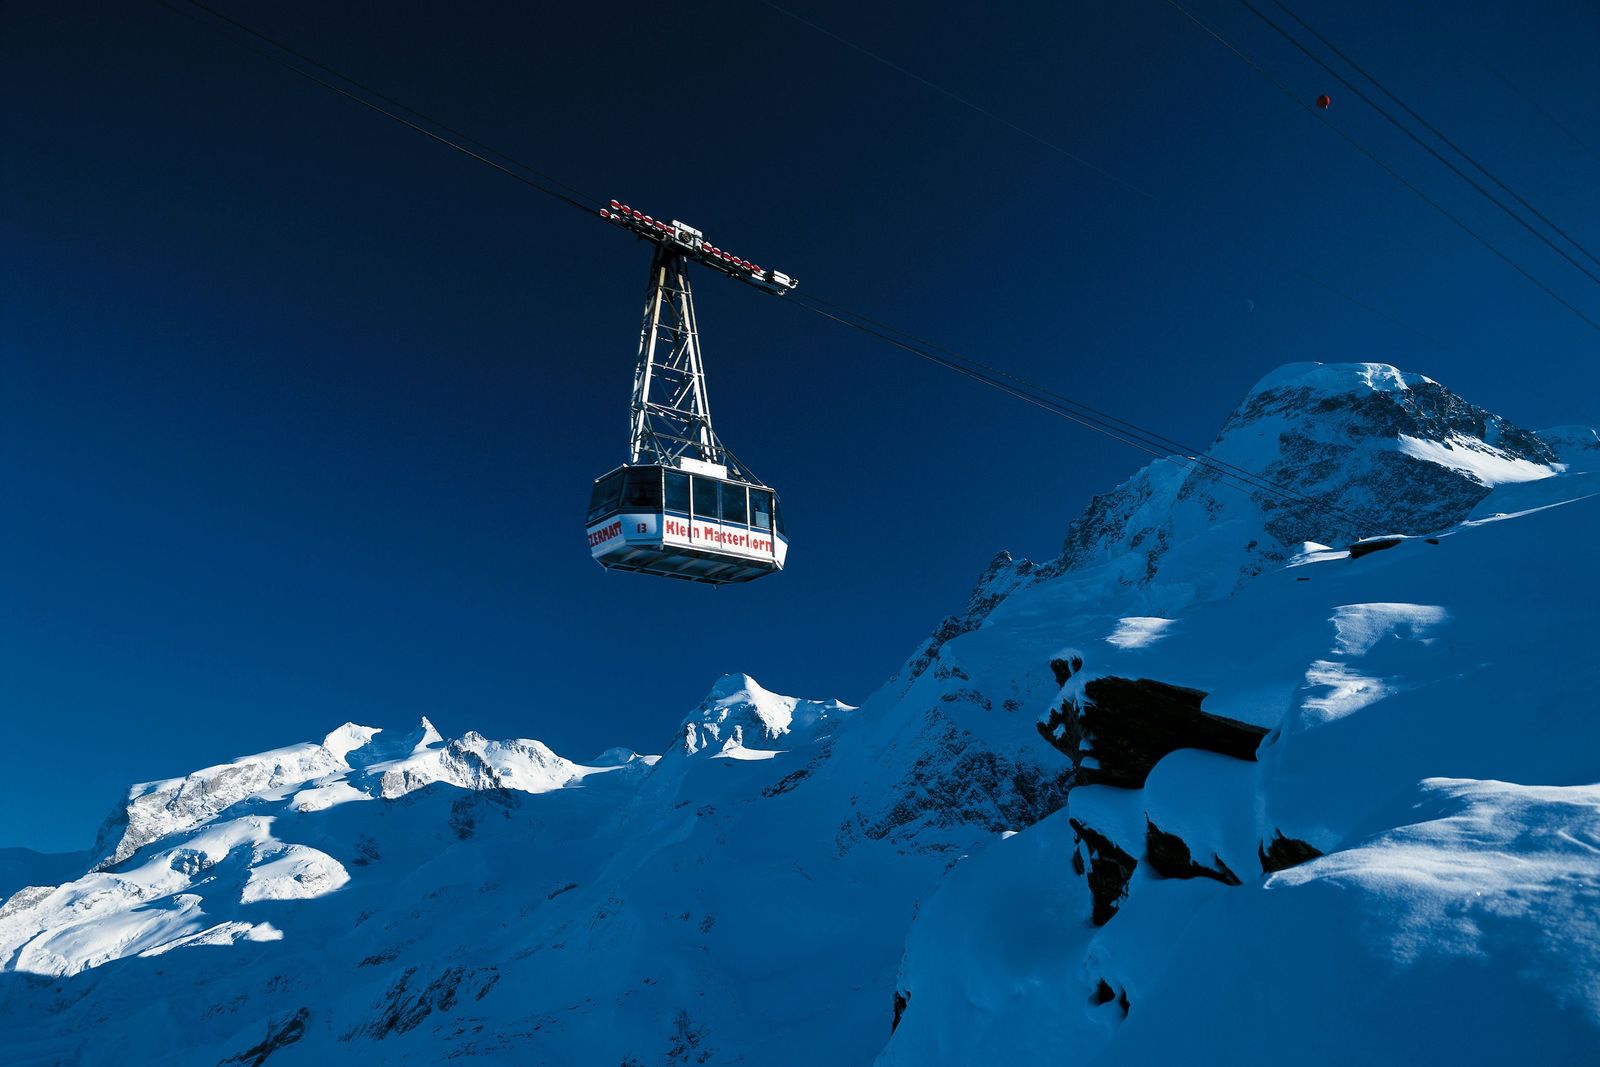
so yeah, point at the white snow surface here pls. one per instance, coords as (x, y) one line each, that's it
(1340, 378)
(1488, 465)
(403, 897)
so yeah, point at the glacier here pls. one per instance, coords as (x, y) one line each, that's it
(1238, 777)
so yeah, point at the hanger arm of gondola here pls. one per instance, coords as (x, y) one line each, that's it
(691, 244)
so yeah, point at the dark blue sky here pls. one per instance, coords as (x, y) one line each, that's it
(299, 411)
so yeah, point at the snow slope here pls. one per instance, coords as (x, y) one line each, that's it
(1431, 732)
(1044, 839)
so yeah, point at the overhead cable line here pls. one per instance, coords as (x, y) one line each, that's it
(1431, 128)
(1440, 25)
(1385, 167)
(1115, 179)
(456, 140)
(1121, 430)
(958, 98)
(1432, 151)
(1118, 429)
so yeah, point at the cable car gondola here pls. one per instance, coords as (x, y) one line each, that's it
(683, 506)
(703, 527)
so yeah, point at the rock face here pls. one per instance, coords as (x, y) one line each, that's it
(1359, 449)
(1109, 870)
(1116, 729)
(157, 809)
(1170, 857)
(1281, 853)
(958, 780)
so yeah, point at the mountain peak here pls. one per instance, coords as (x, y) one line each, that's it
(1328, 453)
(427, 735)
(739, 712)
(737, 687)
(348, 738)
(1341, 378)
(1324, 452)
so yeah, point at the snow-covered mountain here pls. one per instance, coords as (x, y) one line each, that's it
(1200, 789)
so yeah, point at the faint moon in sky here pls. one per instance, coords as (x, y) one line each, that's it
(1249, 305)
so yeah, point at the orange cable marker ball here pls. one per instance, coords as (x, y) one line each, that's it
(1324, 101)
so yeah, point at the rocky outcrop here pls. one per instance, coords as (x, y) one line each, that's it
(406, 1005)
(1373, 544)
(1360, 448)
(1120, 728)
(1105, 994)
(1170, 857)
(280, 1035)
(959, 780)
(1282, 852)
(1109, 871)
(158, 809)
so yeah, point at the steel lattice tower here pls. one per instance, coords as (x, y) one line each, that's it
(671, 415)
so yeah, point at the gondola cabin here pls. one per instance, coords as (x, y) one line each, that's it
(690, 521)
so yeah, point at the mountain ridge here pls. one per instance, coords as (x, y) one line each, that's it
(999, 856)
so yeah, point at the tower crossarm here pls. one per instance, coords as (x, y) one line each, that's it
(690, 243)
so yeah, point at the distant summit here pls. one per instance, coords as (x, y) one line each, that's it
(739, 713)
(1350, 450)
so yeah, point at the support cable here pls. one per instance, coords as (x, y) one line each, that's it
(1431, 128)
(1122, 430)
(1434, 152)
(1507, 82)
(1228, 233)
(958, 98)
(1118, 429)
(1385, 167)
(456, 140)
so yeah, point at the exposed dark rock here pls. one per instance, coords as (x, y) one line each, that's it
(1122, 1002)
(279, 1035)
(404, 1007)
(1130, 725)
(793, 779)
(190, 862)
(1110, 869)
(787, 782)
(1103, 993)
(901, 1002)
(468, 808)
(1170, 857)
(1065, 667)
(971, 696)
(1375, 544)
(958, 780)
(1285, 852)
(686, 1041)
(1344, 488)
